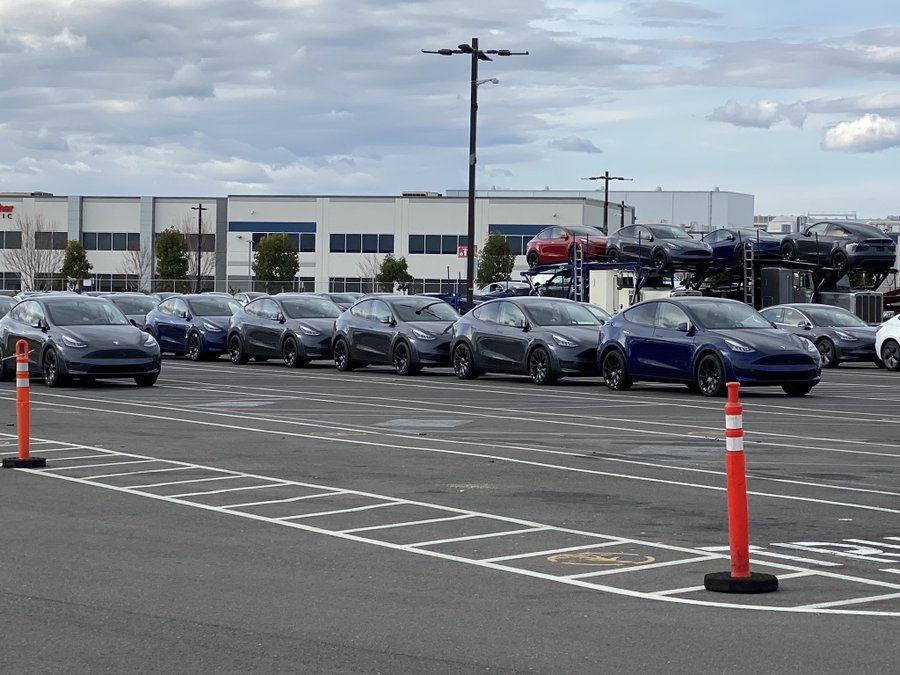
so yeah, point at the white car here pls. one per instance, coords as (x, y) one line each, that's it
(887, 343)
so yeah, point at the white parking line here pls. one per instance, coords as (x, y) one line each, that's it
(281, 501)
(331, 513)
(694, 589)
(180, 482)
(435, 542)
(854, 601)
(406, 524)
(134, 473)
(237, 489)
(91, 466)
(551, 551)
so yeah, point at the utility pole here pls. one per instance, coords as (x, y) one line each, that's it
(606, 178)
(199, 209)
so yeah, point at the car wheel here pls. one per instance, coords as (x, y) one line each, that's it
(612, 255)
(402, 359)
(571, 254)
(464, 362)
(878, 362)
(615, 371)
(193, 350)
(660, 261)
(52, 377)
(7, 374)
(146, 380)
(540, 367)
(890, 355)
(797, 389)
(839, 261)
(236, 350)
(826, 351)
(710, 377)
(290, 353)
(533, 259)
(342, 355)
(787, 250)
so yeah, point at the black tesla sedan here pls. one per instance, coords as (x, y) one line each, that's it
(72, 336)
(546, 338)
(406, 331)
(841, 245)
(294, 328)
(661, 246)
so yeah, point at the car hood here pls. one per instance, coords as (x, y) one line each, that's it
(433, 327)
(587, 336)
(861, 332)
(323, 325)
(686, 244)
(106, 336)
(773, 340)
(220, 321)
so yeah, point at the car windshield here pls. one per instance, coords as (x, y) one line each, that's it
(310, 308)
(213, 305)
(669, 232)
(423, 309)
(586, 231)
(134, 304)
(342, 298)
(550, 313)
(600, 313)
(83, 312)
(7, 304)
(834, 317)
(727, 315)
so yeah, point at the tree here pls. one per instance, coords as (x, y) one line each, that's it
(276, 262)
(75, 267)
(187, 225)
(171, 256)
(33, 258)
(138, 264)
(393, 271)
(496, 260)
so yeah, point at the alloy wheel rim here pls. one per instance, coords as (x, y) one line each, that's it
(659, 260)
(401, 358)
(235, 349)
(890, 356)
(194, 347)
(461, 362)
(612, 371)
(709, 377)
(289, 352)
(50, 367)
(340, 355)
(826, 352)
(538, 365)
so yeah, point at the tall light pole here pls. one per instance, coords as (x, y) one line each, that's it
(606, 178)
(477, 55)
(199, 209)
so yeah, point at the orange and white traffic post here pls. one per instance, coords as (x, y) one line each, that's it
(23, 415)
(740, 579)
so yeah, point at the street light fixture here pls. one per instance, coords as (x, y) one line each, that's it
(477, 55)
(606, 178)
(199, 209)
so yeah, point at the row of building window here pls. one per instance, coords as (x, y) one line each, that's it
(365, 285)
(446, 244)
(111, 241)
(361, 243)
(303, 242)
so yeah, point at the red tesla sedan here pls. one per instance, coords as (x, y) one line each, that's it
(556, 245)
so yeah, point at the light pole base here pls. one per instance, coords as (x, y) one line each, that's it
(723, 582)
(30, 463)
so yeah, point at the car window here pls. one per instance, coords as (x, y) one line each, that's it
(560, 313)
(489, 312)
(670, 316)
(715, 236)
(670, 232)
(267, 309)
(586, 231)
(381, 312)
(18, 312)
(791, 317)
(310, 308)
(510, 315)
(643, 314)
(627, 232)
(134, 304)
(773, 314)
(725, 314)
(362, 310)
(548, 233)
(835, 230)
(642, 233)
(424, 309)
(32, 313)
(835, 317)
(818, 228)
(213, 305)
(179, 307)
(84, 312)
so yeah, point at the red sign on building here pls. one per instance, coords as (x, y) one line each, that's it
(6, 212)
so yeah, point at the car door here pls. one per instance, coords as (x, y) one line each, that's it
(483, 329)
(672, 347)
(640, 244)
(722, 243)
(510, 339)
(554, 247)
(178, 324)
(26, 316)
(625, 243)
(637, 338)
(268, 327)
(814, 244)
(372, 332)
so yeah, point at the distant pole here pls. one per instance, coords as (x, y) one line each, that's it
(199, 209)
(606, 178)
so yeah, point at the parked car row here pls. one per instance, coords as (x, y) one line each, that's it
(701, 342)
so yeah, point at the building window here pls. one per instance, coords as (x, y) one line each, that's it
(10, 281)
(416, 243)
(444, 244)
(50, 240)
(11, 239)
(450, 286)
(207, 242)
(303, 243)
(361, 243)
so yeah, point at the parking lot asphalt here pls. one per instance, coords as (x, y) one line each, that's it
(257, 519)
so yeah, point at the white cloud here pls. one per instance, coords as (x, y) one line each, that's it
(575, 144)
(869, 133)
(760, 114)
(676, 11)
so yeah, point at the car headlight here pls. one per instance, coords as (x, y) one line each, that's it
(736, 346)
(852, 246)
(671, 245)
(72, 342)
(845, 336)
(563, 342)
(422, 335)
(150, 341)
(810, 346)
(306, 330)
(210, 326)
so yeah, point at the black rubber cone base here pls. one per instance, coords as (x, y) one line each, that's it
(723, 582)
(30, 463)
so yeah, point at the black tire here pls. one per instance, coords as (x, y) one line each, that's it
(660, 260)
(236, 350)
(402, 359)
(146, 380)
(194, 352)
(788, 252)
(878, 362)
(290, 353)
(342, 360)
(615, 371)
(797, 389)
(890, 355)
(7, 373)
(710, 376)
(540, 367)
(533, 259)
(839, 261)
(827, 353)
(571, 255)
(612, 255)
(50, 369)
(464, 362)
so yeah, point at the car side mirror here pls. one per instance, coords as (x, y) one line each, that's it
(41, 325)
(280, 318)
(807, 326)
(730, 237)
(807, 234)
(683, 327)
(564, 236)
(526, 327)
(133, 323)
(650, 238)
(185, 315)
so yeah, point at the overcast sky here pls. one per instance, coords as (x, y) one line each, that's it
(795, 102)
